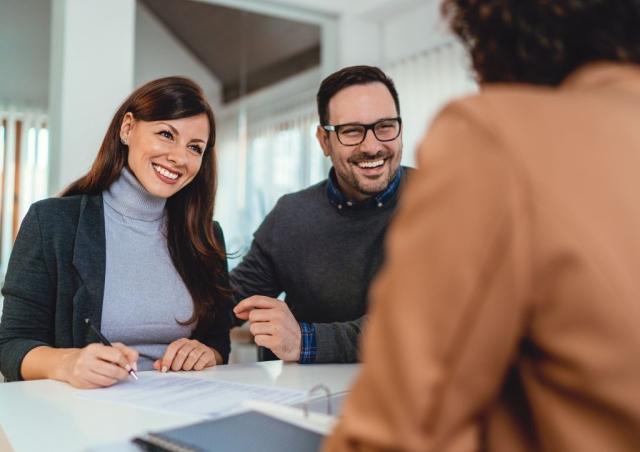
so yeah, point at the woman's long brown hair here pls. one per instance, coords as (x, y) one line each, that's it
(198, 258)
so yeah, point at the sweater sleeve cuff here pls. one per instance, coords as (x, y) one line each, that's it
(308, 348)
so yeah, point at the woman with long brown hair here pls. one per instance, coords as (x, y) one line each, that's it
(132, 247)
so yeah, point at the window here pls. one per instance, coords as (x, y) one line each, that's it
(283, 156)
(24, 160)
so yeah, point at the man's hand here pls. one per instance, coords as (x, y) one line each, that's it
(272, 325)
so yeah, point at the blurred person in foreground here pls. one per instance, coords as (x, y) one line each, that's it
(505, 316)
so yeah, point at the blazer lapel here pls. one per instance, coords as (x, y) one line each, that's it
(89, 256)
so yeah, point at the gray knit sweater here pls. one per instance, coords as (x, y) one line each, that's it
(143, 293)
(323, 257)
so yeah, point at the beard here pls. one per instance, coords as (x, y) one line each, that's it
(371, 187)
(360, 186)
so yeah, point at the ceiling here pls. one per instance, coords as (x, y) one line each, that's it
(232, 43)
(377, 8)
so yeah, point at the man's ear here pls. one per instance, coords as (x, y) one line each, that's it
(126, 126)
(323, 138)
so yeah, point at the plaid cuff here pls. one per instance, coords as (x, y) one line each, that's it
(308, 347)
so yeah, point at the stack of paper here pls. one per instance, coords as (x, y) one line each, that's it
(171, 392)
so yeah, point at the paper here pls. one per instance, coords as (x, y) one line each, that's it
(169, 392)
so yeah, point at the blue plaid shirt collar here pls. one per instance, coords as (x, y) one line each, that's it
(339, 200)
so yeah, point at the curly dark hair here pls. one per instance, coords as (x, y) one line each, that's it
(543, 41)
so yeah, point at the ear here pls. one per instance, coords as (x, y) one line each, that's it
(126, 126)
(323, 138)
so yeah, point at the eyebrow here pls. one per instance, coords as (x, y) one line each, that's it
(175, 132)
(389, 118)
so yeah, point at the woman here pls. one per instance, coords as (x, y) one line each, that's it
(130, 246)
(506, 316)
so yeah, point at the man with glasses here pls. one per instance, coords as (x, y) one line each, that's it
(323, 245)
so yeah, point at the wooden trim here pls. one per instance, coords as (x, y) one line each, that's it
(2, 178)
(16, 184)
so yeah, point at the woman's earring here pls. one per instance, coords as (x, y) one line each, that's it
(123, 141)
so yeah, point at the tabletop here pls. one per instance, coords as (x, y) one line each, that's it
(46, 415)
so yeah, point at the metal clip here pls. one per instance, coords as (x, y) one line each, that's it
(305, 406)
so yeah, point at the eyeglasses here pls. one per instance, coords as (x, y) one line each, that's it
(353, 134)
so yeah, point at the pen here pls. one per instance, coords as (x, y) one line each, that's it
(105, 341)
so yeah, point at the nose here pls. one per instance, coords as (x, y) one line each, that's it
(370, 142)
(177, 155)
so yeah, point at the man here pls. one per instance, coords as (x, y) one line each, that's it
(506, 317)
(323, 245)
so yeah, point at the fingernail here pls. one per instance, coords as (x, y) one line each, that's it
(128, 367)
(135, 366)
(164, 369)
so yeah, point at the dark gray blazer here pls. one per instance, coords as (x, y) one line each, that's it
(55, 280)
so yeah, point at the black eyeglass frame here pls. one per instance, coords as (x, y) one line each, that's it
(336, 128)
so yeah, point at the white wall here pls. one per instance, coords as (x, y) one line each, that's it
(159, 54)
(47, 68)
(91, 73)
(412, 30)
(24, 52)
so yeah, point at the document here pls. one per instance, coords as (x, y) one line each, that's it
(191, 395)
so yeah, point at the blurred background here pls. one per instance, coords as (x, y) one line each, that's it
(66, 65)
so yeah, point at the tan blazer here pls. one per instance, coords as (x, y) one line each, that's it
(507, 316)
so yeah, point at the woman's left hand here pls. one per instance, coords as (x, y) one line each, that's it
(186, 354)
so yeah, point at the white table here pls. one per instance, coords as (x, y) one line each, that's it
(45, 414)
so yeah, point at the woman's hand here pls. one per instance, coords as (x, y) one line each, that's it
(187, 354)
(97, 365)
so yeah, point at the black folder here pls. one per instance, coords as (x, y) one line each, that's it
(245, 432)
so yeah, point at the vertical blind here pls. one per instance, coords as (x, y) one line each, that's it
(282, 156)
(425, 82)
(24, 160)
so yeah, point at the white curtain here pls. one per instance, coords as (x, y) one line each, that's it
(24, 160)
(425, 82)
(282, 156)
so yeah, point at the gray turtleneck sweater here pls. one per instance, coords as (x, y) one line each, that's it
(143, 293)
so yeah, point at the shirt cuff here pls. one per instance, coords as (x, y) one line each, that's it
(308, 348)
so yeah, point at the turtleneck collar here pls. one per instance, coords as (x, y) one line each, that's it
(130, 199)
